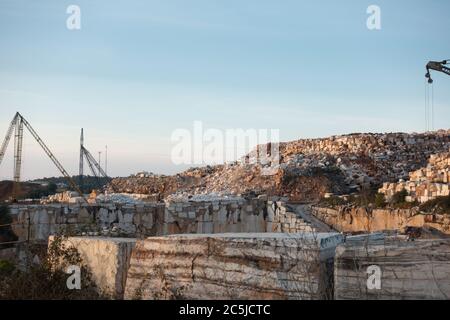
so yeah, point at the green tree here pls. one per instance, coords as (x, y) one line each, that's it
(399, 197)
(52, 187)
(380, 200)
(439, 205)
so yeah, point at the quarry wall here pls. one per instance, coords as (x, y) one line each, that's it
(359, 219)
(407, 270)
(108, 260)
(233, 266)
(266, 266)
(142, 220)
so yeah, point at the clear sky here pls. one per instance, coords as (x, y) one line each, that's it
(138, 70)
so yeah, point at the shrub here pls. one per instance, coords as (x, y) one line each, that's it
(380, 200)
(332, 201)
(364, 198)
(47, 280)
(6, 232)
(42, 192)
(399, 197)
(399, 201)
(439, 205)
(6, 268)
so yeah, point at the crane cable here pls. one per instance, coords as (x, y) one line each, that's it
(426, 104)
(432, 106)
(429, 106)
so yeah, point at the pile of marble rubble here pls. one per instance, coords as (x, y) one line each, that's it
(307, 168)
(424, 184)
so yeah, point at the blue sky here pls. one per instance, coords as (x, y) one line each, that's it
(138, 70)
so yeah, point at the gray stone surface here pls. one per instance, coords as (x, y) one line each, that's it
(107, 259)
(154, 219)
(233, 266)
(409, 270)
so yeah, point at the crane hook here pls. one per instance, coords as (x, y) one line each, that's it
(428, 75)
